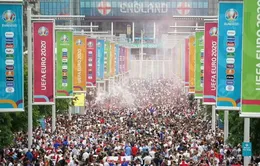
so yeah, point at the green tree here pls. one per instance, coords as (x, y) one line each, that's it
(255, 135)
(236, 128)
(62, 106)
(6, 136)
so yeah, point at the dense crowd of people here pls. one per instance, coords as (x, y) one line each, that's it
(143, 123)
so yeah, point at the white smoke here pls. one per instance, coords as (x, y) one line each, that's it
(117, 93)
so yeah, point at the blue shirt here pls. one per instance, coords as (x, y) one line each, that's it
(56, 145)
(124, 164)
(128, 151)
(161, 135)
(29, 156)
(66, 143)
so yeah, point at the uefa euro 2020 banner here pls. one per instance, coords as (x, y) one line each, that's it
(123, 59)
(121, 52)
(192, 64)
(64, 76)
(250, 106)
(112, 59)
(100, 59)
(107, 59)
(210, 63)
(43, 60)
(11, 58)
(91, 62)
(117, 59)
(128, 59)
(186, 63)
(229, 55)
(79, 63)
(199, 65)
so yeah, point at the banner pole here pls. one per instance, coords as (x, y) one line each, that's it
(198, 105)
(152, 69)
(53, 114)
(213, 121)
(54, 83)
(123, 78)
(109, 85)
(163, 63)
(226, 126)
(70, 107)
(246, 138)
(105, 86)
(98, 85)
(142, 54)
(29, 43)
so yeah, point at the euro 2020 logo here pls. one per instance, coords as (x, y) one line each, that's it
(64, 38)
(231, 15)
(90, 44)
(43, 31)
(213, 31)
(9, 16)
(78, 42)
(201, 40)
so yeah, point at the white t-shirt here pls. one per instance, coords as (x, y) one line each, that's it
(200, 149)
(152, 153)
(10, 164)
(72, 163)
(186, 154)
(106, 164)
(147, 159)
(85, 156)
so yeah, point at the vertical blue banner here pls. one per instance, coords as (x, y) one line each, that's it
(246, 149)
(117, 59)
(100, 59)
(229, 55)
(11, 58)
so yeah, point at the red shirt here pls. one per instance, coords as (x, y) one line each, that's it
(102, 120)
(184, 164)
(134, 150)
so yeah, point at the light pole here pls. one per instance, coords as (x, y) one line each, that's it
(29, 43)
(246, 137)
(141, 54)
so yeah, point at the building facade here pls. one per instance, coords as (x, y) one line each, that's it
(118, 9)
(148, 9)
(129, 16)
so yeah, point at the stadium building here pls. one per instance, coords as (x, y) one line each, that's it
(127, 18)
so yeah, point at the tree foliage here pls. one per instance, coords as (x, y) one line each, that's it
(6, 135)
